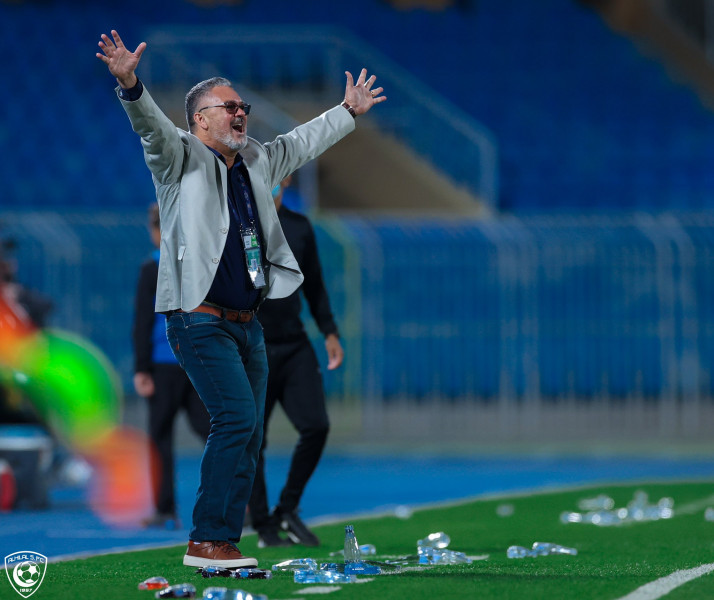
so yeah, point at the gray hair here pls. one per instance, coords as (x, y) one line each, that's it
(196, 93)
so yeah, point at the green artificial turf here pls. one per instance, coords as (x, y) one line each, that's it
(611, 561)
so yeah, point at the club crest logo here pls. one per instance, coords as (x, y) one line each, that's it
(25, 570)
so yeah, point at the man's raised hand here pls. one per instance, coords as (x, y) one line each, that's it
(120, 61)
(360, 96)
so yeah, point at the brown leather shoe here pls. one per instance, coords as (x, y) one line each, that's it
(221, 554)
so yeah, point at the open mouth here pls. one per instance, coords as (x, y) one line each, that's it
(239, 125)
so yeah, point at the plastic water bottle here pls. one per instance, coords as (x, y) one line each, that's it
(214, 571)
(182, 590)
(215, 593)
(154, 583)
(323, 577)
(352, 552)
(251, 574)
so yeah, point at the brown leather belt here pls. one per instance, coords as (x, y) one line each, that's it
(242, 316)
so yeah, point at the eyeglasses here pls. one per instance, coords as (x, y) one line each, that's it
(231, 107)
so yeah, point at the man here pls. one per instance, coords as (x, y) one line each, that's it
(295, 381)
(159, 378)
(222, 252)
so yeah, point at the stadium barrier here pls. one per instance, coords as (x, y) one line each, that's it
(513, 326)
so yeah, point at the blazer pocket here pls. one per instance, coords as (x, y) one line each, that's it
(181, 252)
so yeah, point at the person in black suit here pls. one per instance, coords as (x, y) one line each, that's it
(295, 381)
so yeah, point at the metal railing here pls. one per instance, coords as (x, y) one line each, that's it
(502, 328)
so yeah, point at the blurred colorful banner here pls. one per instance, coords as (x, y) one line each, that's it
(77, 395)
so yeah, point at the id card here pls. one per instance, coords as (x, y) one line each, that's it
(251, 248)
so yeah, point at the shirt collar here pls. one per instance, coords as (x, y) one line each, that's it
(238, 160)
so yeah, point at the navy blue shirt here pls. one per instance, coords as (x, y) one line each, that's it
(232, 287)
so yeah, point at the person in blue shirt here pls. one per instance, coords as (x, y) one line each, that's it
(159, 378)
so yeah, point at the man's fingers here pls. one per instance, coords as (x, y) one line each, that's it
(117, 39)
(362, 77)
(376, 92)
(106, 42)
(350, 81)
(103, 58)
(140, 49)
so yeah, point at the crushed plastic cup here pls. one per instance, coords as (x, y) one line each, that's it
(362, 568)
(221, 593)
(435, 540)
(539, 549)
(505, 510)
(441, 556)
(385, 566)
(517, 552)
(599, 502)
(319, 576)
(546, 548)
(709, 514)
(243, 595)
(355, 568)
(603, 517)
(639, 509)
(181, 590)
(154, 583)
(571, 517)
(296, 564)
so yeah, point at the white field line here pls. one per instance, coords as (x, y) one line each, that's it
(664, 585)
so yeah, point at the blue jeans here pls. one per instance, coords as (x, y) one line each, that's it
(227, 365)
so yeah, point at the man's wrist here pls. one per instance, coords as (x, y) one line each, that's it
(349, 109)
(132, 93)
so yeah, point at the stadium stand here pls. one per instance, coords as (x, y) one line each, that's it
(591, 283)
(584, 120)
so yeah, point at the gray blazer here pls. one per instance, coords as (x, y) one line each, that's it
(191, 189)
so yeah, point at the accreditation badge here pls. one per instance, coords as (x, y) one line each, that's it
(253, 259)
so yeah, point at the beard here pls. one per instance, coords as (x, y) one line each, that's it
(235, 145)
